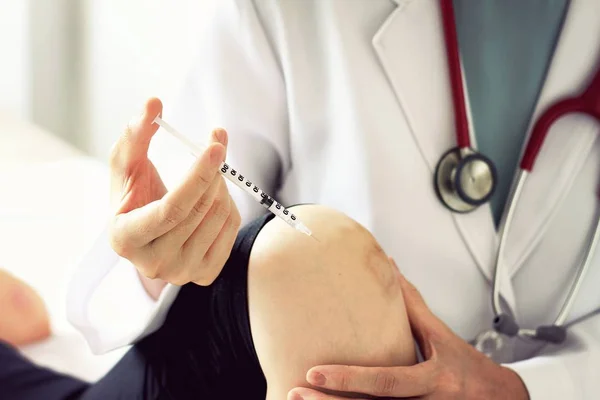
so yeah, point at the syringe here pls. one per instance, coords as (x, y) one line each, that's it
(242, 182)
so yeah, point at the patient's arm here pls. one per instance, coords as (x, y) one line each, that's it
(336, 301)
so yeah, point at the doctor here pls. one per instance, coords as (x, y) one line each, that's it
(351, 104)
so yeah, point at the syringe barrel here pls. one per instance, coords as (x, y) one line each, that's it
(239, 180)
(261, 197)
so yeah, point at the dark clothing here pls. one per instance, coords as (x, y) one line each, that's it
(204, 350)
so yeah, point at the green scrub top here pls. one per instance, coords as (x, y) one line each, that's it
(506, 48)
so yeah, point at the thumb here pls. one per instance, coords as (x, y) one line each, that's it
(219, 135)
(423, 322)
(133, 144)
(415, 304)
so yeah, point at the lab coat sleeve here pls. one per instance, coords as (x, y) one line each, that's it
(236, 84)
(107, 302)
(569, 372)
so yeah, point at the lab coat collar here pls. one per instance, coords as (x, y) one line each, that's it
(411, 51)
(410, 47)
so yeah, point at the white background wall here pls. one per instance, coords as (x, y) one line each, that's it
(14, 61)
(135, 49)
(81, 69)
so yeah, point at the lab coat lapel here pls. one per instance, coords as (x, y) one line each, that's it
(568, 143)
(411, 50)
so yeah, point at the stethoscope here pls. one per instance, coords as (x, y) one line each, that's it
(466, 179)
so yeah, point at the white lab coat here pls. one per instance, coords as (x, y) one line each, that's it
(347, 104)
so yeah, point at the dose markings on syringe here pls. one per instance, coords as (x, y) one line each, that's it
(265, 200)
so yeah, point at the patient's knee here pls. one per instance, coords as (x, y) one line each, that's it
(332, 301)
(340, 246)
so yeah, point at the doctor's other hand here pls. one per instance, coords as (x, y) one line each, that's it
(178, 236)
(452, 369)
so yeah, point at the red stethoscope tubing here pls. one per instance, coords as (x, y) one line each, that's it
(587, 103)
(456, 81)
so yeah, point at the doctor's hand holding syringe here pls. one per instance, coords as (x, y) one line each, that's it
(180, 236)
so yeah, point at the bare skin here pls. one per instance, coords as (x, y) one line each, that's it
(181, 236)
(336, 301)
(24, 318)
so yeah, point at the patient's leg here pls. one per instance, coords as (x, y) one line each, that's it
(336, 301)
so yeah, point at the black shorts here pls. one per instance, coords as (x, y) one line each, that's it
(204, 350)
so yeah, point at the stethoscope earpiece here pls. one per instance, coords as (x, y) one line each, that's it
(464, 179)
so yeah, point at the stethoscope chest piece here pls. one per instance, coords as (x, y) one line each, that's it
(464, 179)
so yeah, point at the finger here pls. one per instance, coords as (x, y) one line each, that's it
(426, 327)
(205, 234)
(204, 267)
(397, 272)
(309, 394)
(133, 144)
(412, 296)
(219, 135)
(418, 312)
(197, 182)
(219, 251)
(416, 380)
(140, 226)
(176, 237)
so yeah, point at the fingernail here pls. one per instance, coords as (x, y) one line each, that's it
(220, 135)
(295, 396)
(316, 378)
